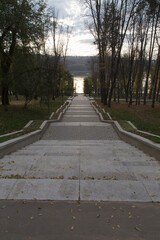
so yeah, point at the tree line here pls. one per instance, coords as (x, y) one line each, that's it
(27, 67)
(127, 36)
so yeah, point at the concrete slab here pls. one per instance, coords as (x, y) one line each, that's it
(153, 189)
(6, 186)
(80, 114)
(44, 189)
(80, 119)
(114, 191)
(80, 124)
(80, 133)
(77, 116)
(39, 220)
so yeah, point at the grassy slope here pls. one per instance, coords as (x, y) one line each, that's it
(17, 117)
(144, 117)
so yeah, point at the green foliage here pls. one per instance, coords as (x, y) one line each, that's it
(26, 19)
(88, 85)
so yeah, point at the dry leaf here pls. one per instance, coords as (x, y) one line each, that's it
(72, 228)
(71, 210)
(118, 226)
(32, 218)
(138, 229)
(74, 217)
(121, 209)
(40, 214)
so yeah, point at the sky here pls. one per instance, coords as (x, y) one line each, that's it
(81, 40)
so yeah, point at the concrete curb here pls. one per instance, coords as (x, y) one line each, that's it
(11, 134)
(142, 143)
(149, 134)
(27, 139)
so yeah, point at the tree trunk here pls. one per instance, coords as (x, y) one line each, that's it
(156, 78)
(5, 98)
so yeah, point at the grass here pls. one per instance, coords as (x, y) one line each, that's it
(144, 118)
(17, 116)
(56, 115)
(33, 127)
(105, 116)
(127, 127)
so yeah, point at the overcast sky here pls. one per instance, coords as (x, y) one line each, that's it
(81, 41)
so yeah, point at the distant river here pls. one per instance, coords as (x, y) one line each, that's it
(79, 84)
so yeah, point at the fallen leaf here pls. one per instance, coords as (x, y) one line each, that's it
(74, 178)
(113, 228)
(72, 228)
(121, 209)
(40, 214)
(100, 207)
(133, 206)
(112, 216)
(74, 217)
(61, 177)
(138, 229)
(118, 226)
(32, 218)
(71, 210)
(130, 217)
(98, 215)
(145, 177)
(3, 206)
(113, 208)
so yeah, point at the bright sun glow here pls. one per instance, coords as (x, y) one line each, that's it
(79, 84)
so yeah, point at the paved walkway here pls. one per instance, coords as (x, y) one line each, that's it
(80, 158)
